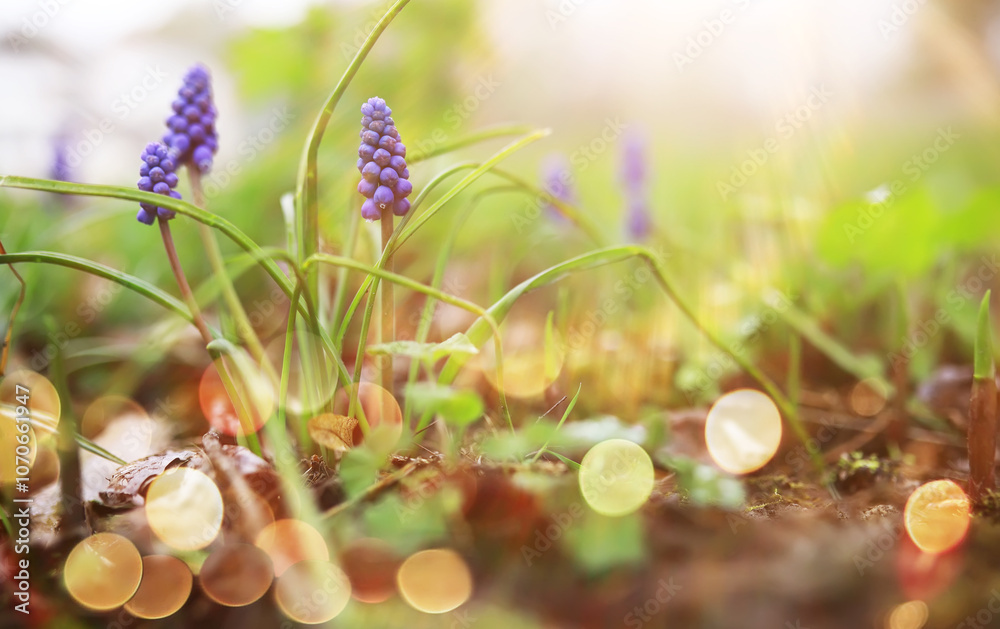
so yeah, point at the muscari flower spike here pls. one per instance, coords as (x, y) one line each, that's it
(381, 160)
(192, 126)
(156, 174)
(558, 182)
(638, 222)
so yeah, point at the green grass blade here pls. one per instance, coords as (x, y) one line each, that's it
(177, 205)
(401, 280)
(134, 284)
(984, 367)
(860, 368)
(477, 332)
(465, 183)
(562, 420)
(488, 133)
(307, 181)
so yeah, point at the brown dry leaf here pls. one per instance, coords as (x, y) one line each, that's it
(333, 431)
(127, 486)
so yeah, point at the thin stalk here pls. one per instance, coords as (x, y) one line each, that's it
(243, 327)
(983, 410)
(286, 366)
(199, 322)
(73, 521)
(307, 184)
(388, 306)
(402, 280)
(9, 334)
(467, 140)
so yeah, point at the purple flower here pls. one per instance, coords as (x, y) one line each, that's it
(192, 126)
(638, 219)
(382, 163)
(558, 182)
(157, 174)
(60, 164)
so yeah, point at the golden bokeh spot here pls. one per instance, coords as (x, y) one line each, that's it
(106, 409)
(531, 362)
(616, 477)
(434, 581)
(290, 541)
(312, 592)
(937, 516)
(257, 396)
(165, 587)
(43, 399)
(184, 508)
(908, 615)
(236, 575)
(103, 571)
(868, 397)
(743, 431)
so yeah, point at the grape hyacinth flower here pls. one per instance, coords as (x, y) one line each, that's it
(638, 221)
(192, 126)
(558, 179)
(381, 160)
(156, 174)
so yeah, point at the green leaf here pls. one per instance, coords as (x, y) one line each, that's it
(457, 344)
(984, 367)
(359, 469)
(600, 543)
(518, 445)
(458, 407)
(413, 523)
(706, 485)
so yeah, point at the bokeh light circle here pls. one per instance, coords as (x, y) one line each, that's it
(616, 477)
(165, 587)
(868, 397)
(312, 592)
(11, 440)
(434, 581)
(743, 431)
(531, 363)
(257, 396)
(103, 571)
(908, 615)
(235, 575)
(937, 516)
(43, 399)
(184, 508)
(290, 541)
(105, 410)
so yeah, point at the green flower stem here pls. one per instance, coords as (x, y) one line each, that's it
(9, 334)
(307, 183)
(246, 421)
(177, 205)
(243, 327)
(498, 311)
(405, 282)
(388, 308)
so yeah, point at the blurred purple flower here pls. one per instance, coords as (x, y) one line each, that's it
(382, 163)
(60, 162)
(558, 179)
(157, 174)
(638, 218)
(192, 132)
